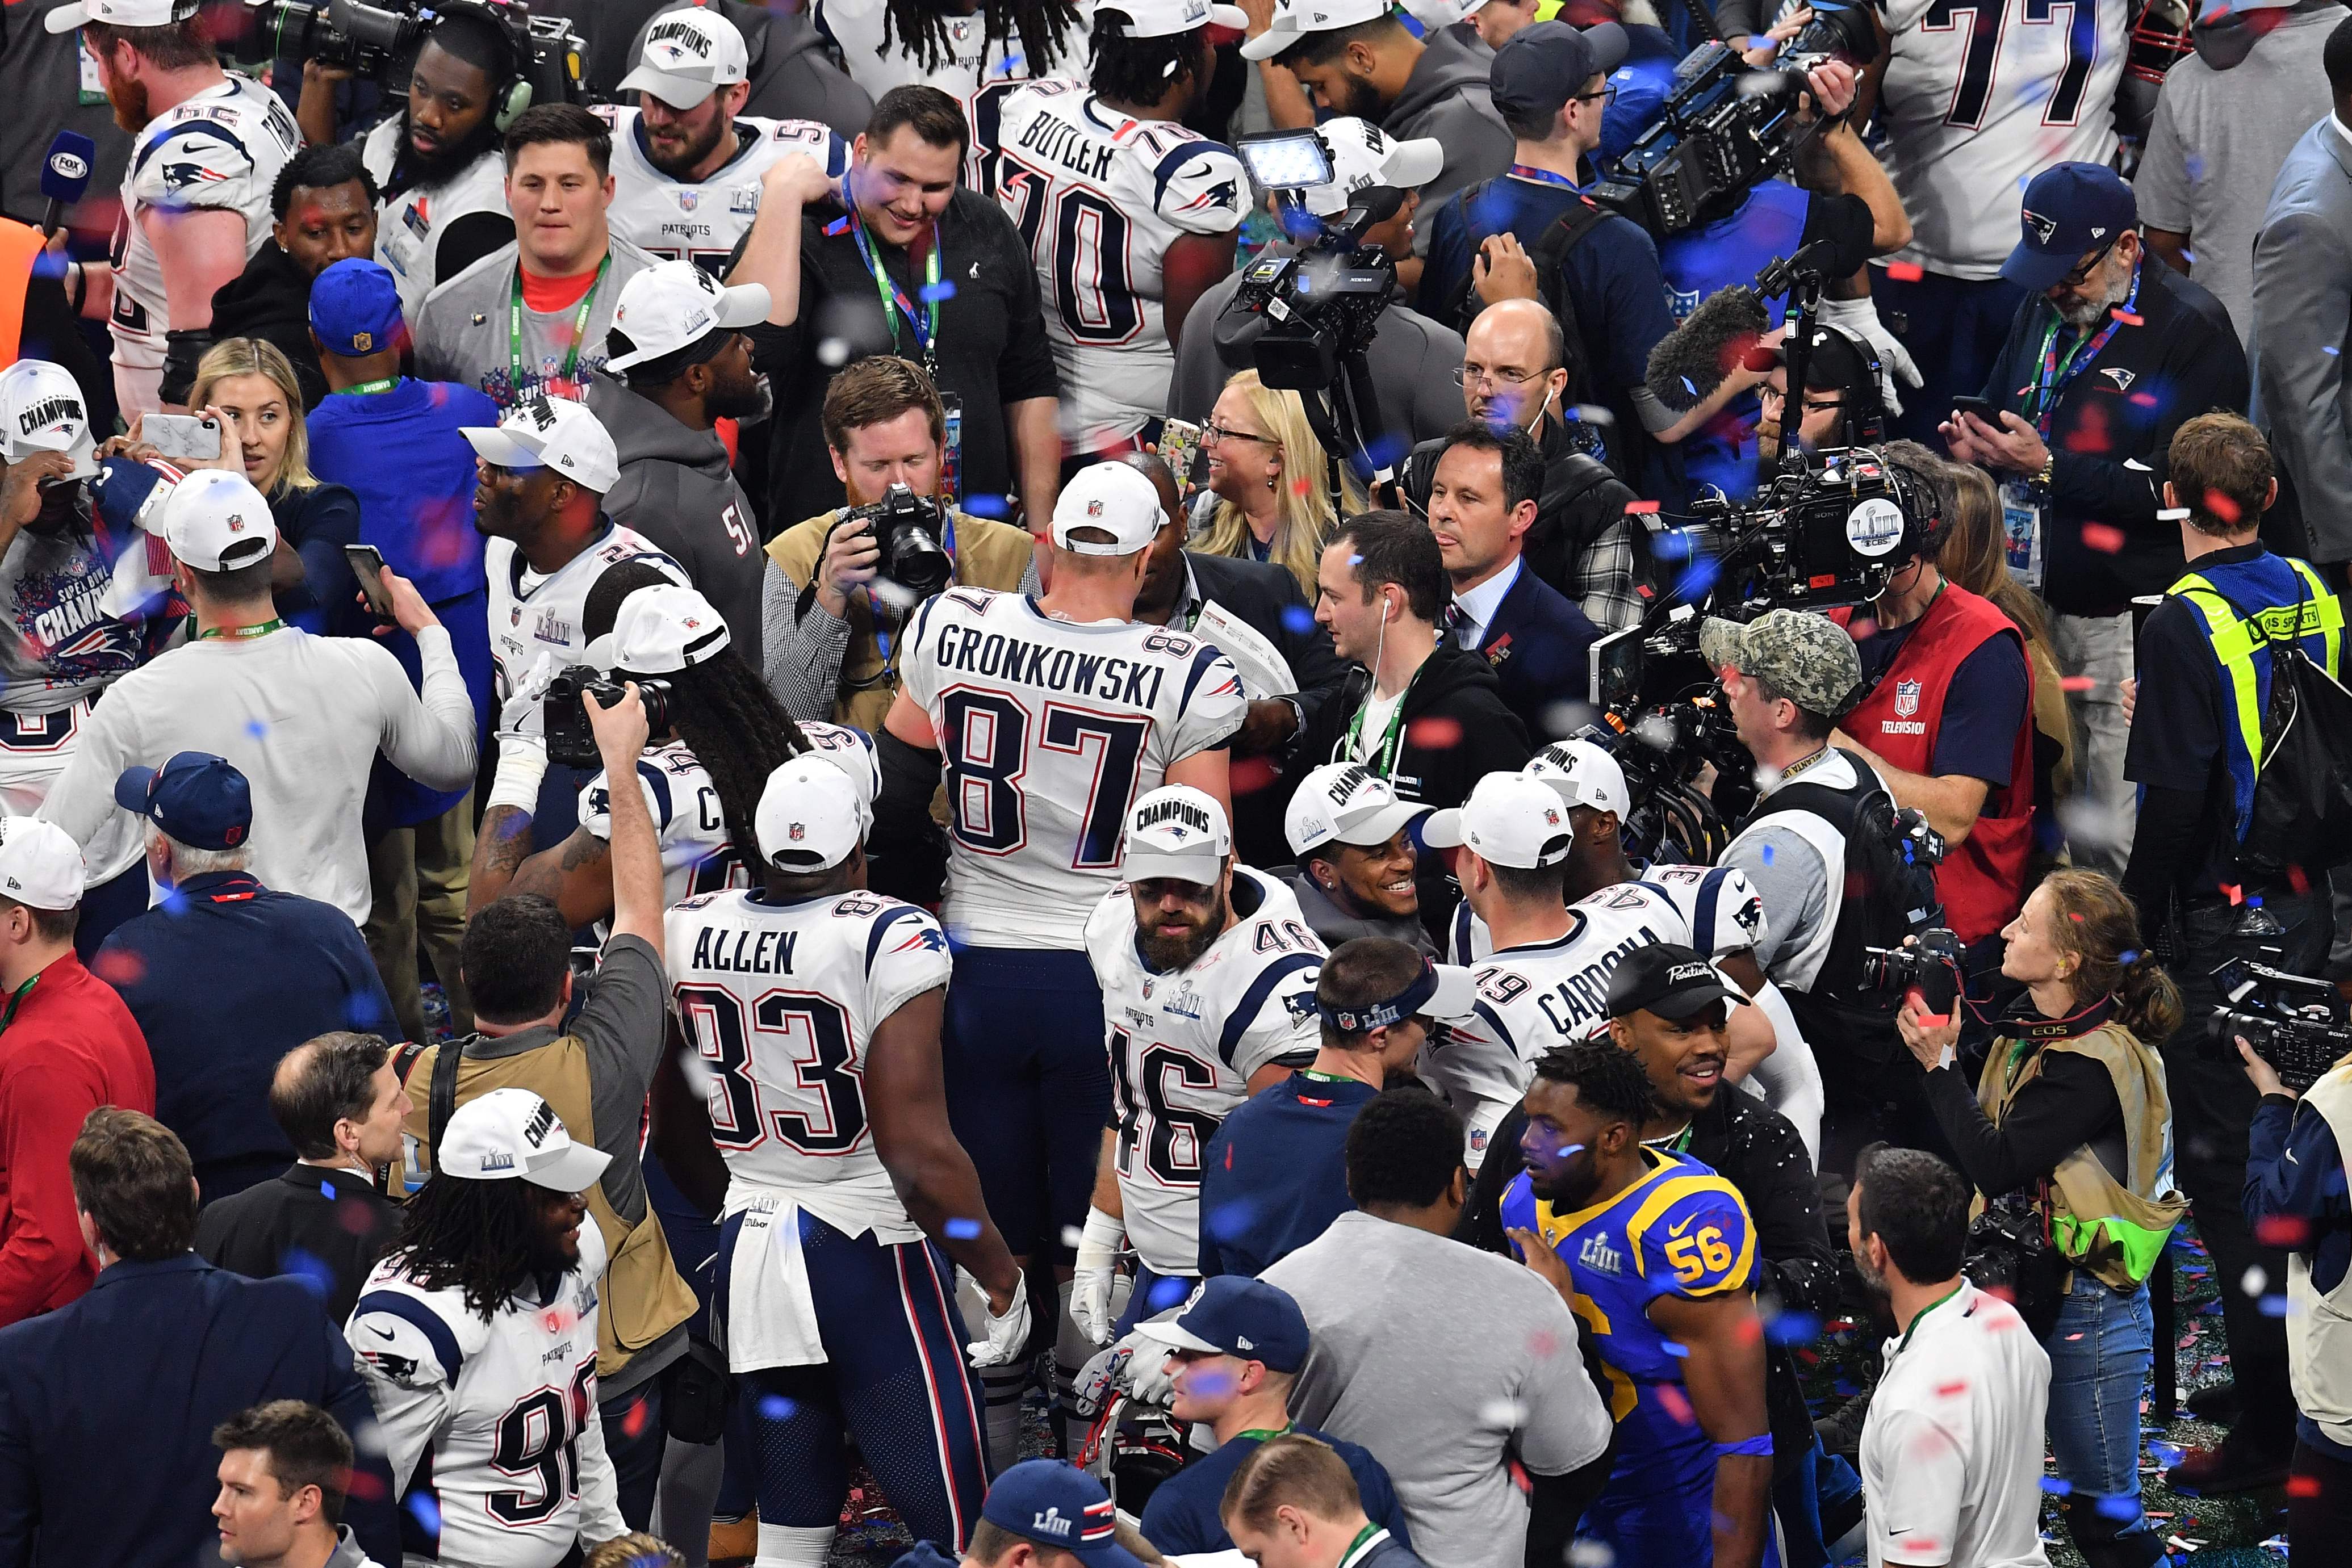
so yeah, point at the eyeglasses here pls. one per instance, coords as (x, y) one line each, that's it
(1774, 395)
(1217, 433)
(1607, 95)
(2082, 273)
(1480, 376)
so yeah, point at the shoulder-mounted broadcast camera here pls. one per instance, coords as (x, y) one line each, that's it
(2290, 1021)
(545, 54)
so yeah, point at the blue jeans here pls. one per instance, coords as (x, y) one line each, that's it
(2101, 1352)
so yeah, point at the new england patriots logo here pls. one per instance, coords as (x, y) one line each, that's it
(1223, 195)
(181, 174)
(931, 938)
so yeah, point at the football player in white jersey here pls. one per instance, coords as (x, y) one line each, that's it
(686, 167)
(475, 1337)
(205, 151)
(977, 54)
(437, 161)
(1051, 714)
(1129, 217)
(1977, 97)
(1208, 976)
(814, 1007)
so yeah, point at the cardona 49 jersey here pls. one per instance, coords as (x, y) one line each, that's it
(1050, 729)
(1713, 909)
(1100, 197)
(700, 220)
(1680, 1230)
(780, 1001)
(1183, 1045)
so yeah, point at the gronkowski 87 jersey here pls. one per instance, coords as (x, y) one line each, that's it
(1681, 1230)
(1050, 730)
(1183, 1045)
(780, 1001)
(701, 221)
(493, 1422)
(1713, 909)
(1980, 95)
(1099, 196)
(220, 150)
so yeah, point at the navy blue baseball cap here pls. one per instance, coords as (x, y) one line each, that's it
(1058, 1505)
(197, 797)
(1236, 1315)
(355, 309)
(1548, 63)
(2071, 210)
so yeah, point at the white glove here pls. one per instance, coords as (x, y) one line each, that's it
(1098, 1246)
(1860, 317)
(1148, 1380)
(1003, 1338)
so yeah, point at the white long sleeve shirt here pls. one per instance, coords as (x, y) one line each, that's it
(303, 719)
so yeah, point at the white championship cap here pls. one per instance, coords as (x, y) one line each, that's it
(661, 630)
(41, 410)
(688, 55)
(1347, 803)
(512, 1134)
(216, 521)
(1583, 774)
(1114, 497)
(1436, 13)
(1510, 818)
(851, 750)
(41, 865)
(1363, 156)
(550, 433)
(811, 815)
(121, 14)
(1176, 831)
(1165, 18)
(1294, 19)
(674, 305)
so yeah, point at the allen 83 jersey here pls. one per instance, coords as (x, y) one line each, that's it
(1183, 1045)
(780, 1001)
(1099, 196)
(701, 221)
(1050, 729)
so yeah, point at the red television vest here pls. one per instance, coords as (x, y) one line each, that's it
(1982, 875)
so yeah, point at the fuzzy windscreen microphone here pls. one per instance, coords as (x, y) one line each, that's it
(1691, 362)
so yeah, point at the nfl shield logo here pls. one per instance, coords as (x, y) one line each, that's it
(1906, 698)
(798, 832)
(688, 199)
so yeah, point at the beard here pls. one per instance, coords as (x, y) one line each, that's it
(1361, 100)
(129, 101)
(746, 402)
(432, 169)
(1169, 953)
(698, 147)
(2080, 313)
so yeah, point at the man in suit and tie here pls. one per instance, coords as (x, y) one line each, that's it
(2303, 304)
(1482, 501)
(108, 1404)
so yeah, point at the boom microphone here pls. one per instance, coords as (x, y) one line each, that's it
(1692, 360)
(65, 175)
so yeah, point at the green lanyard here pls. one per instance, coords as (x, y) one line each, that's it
(1363, 1539)
(1267, 1434)
(1326, 1077)
(17, 1001)
(369, 389)
(894, 302)
(1390, 740)
(579, 322)
(241, 633)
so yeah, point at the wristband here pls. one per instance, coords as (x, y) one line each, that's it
(1759, 1447)
(1098, 1243)
(522, 763)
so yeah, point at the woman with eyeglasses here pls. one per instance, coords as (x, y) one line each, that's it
(1269, 492)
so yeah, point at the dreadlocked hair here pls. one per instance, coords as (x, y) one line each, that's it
(921, 26)
(1133, 70)
(477, 1236)
(739, 733)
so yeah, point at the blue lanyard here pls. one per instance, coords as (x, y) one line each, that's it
(925, 325)
(1545, 177)
(2054, 376)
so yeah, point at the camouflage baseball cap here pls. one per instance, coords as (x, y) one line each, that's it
(1809, 658)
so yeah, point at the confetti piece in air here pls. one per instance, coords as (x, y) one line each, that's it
(935, 292)
(2077, 684)
(2325, 349)
(1167, 1293)
(2298, 880)
(1641, 509)
(425, 1511)
(2055, 1487)
(776, 1407)
(2221, 506)
(2104, 537)
(991, 507)
(2126, 318)
(2233, 892)
(962, 1229)
(1434, 733)
(634, 1423)
(1906, 271)
(2302, 1486)
(1073, 1236)
(1298, 620)
(255, 728)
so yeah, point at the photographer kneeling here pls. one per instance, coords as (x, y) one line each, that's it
(2068, 1136)
(831, 635)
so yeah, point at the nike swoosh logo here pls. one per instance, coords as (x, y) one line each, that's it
(380, 1333)
(1685, 1225)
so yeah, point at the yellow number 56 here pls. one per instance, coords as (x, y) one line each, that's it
(1696, 1256)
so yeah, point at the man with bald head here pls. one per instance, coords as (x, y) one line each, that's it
(1178, 586)
(340, 1101)
(1516, 375)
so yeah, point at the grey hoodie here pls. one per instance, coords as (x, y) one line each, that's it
(1446, 98)
(677, 490)
(1335, 925)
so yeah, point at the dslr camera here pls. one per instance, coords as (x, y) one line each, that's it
(380, 41)
(2290, 1021)
(1932, 965)
(908, 527)
(570, 738)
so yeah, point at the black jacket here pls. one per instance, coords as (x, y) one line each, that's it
(2182, 359)
(1582, 499)
(336, 1218)
(1475, 733)
(270, 300)
(1536, 646)
(1267, 597)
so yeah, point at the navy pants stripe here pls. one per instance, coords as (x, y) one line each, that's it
(893, 1379)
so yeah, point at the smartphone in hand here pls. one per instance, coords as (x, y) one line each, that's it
(190, 436)
(367, 565)
(1980, 407)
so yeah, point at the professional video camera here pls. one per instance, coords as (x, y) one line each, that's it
(380, 41)
(570, 738)
(2291, 1021)
(1725, 127)
(908, 529)
(1322, 304)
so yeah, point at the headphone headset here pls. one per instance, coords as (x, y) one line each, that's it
(513, 94)
(1866, 406)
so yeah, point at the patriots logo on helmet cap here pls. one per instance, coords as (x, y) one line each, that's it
(2042, 229)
